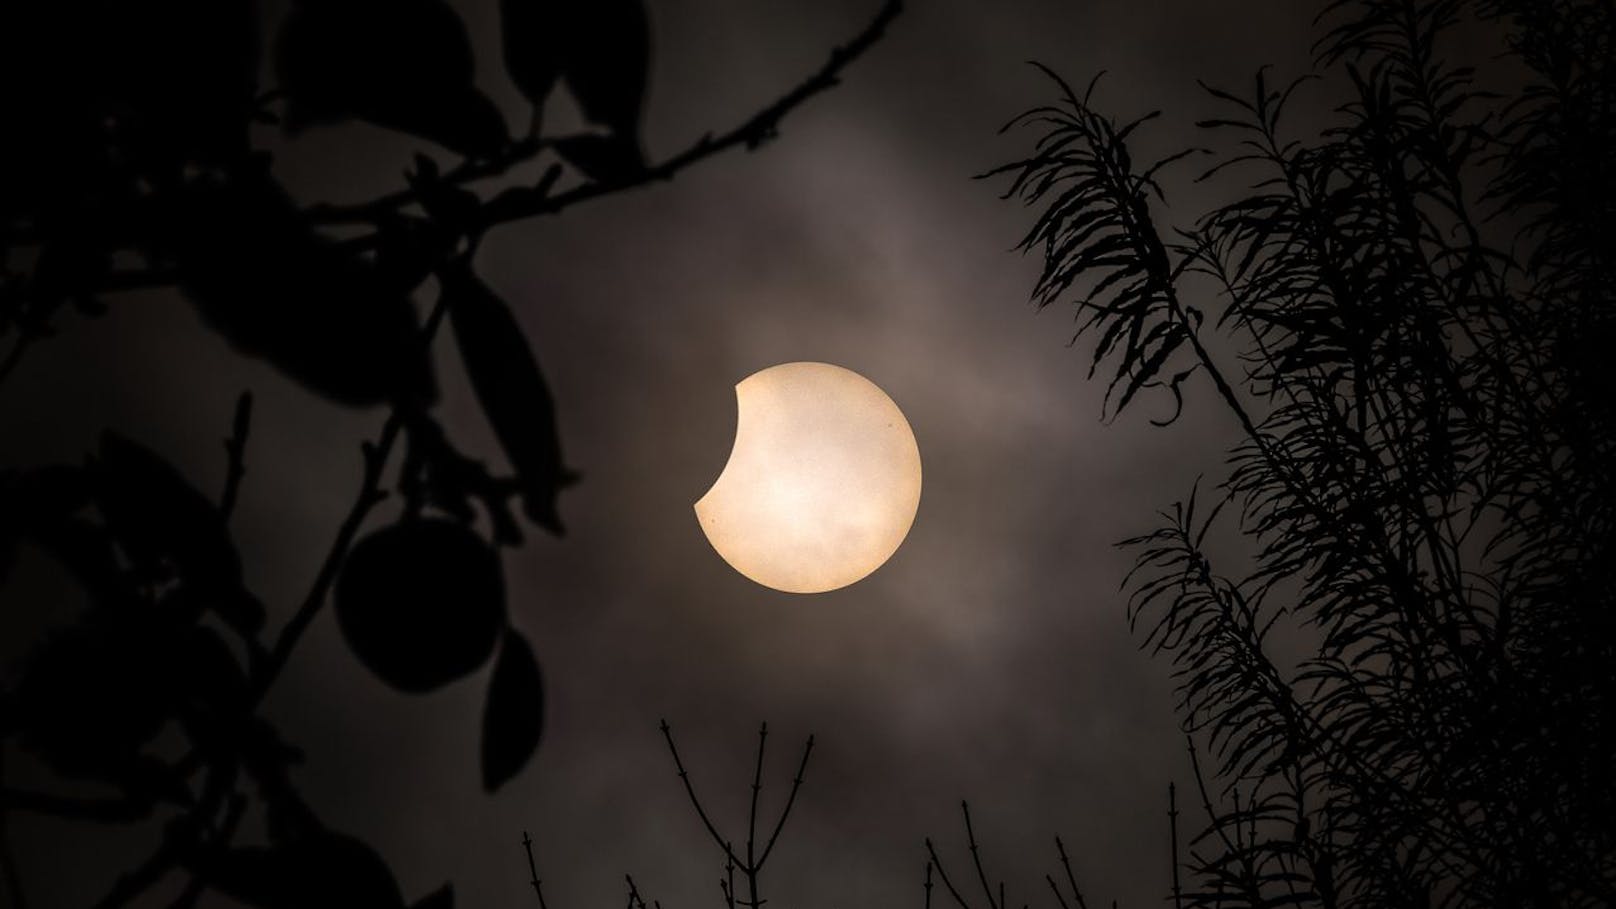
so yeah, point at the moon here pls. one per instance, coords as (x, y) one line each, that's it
(822, 484)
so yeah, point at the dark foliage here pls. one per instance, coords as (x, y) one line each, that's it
(141, 172)
(1417, 301)
(514, 717)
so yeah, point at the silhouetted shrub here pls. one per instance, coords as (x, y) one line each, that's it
(137, 170)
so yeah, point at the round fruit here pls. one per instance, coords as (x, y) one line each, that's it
(421, 603)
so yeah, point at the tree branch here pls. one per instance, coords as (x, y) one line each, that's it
(523, 202)
(533, 869)
(690, 790)
(236, 451)
(791, 799)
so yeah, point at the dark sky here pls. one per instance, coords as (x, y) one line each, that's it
(989, 660)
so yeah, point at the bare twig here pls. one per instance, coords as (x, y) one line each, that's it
(635, 901)
(976, 857)
(1172, 828)
(942, 872)
(727, 882)
(236, 451)
(690, 790)
(756, 130)
(791, 799)
(1071, 879)
(370, 495)
(533, 869)
(751, 868)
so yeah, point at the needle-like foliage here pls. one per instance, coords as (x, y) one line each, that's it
(1412, 308)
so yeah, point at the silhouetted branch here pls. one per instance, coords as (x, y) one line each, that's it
(690, 790)
(521, 202)
(533, 869)
(1172, 836)
(236, 452)
(371, 494)
(727, 882)
(942, 872)
(976, 858)
(469, 170)
(751, 821)
(375, 455)
(791, 799)
(635, 901)
(1071, 879)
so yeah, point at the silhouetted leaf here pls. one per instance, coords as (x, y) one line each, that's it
(600, 48)
(532, 46)
(91, 697)
(178, 95)
(272, 287)
(208, 678)
(421, 603)
(441, 898)
(403, 64)
(609, 158)
(159, 519)
(608, 48)
(36, 504)
(513, 720)
(511, 389)
(320, 871)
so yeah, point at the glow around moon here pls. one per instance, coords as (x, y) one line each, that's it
(822, 484)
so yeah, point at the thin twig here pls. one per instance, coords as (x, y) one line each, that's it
(370, 495)
(791, 799)
(690, 790)
(1059, 898)
(754, 131)
(751, 868)
(635, 901)
(976, 856)
(942, 872)
(1071, 879)
(533, 869)
(235, 447)
(468, 171)
(727, 883)
(928, 884)
(1172, 828)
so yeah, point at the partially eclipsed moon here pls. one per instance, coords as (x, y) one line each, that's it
(822, 483)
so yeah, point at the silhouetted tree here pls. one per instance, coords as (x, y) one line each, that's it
(748, 860)
(130, 164)
(1409, 317)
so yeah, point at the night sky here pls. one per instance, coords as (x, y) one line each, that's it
(989, 660)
